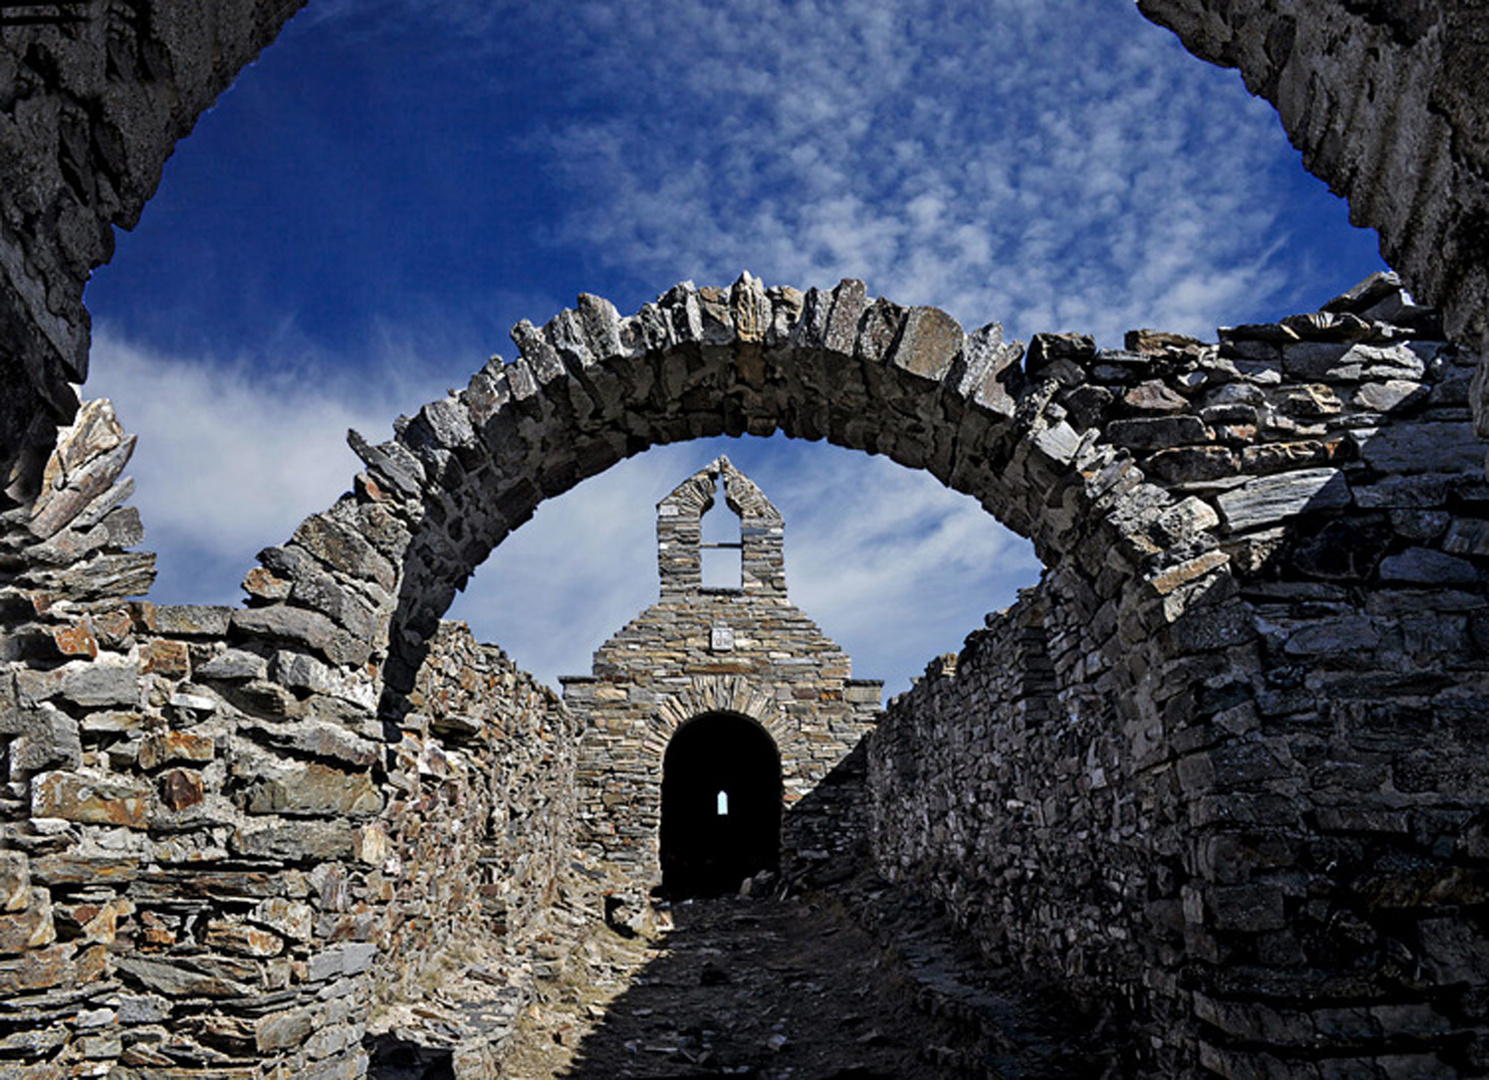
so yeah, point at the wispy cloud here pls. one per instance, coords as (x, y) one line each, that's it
(1057, 166)
(893, 566)
(231, 457)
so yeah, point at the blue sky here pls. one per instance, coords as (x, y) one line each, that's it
(357, 223)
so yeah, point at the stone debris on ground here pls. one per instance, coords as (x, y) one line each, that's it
(864, 982)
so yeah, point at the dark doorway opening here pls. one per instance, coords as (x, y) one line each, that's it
(721, 805)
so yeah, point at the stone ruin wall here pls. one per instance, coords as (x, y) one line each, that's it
(1260, 829)
(1387, 103)
(672, 663)
(1203, 509)
(1325, 800)
(219, 845)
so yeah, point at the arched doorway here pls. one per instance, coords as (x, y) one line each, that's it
(721, 805)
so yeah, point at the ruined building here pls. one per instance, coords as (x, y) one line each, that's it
(717, 726)
(1223, 767)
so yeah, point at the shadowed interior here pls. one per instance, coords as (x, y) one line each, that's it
(709, 845)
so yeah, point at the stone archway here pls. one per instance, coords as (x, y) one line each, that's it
(1254, 551)
(591, 388)
(721, 805)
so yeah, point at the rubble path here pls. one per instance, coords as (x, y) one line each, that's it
(770, 989)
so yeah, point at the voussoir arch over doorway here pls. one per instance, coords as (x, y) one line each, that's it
(592, 388)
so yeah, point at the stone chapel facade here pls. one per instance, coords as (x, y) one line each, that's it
(720, 727)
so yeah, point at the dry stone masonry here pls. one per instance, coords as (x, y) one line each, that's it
(1220, 772)
(1387, 102)
(701, 651)
(1258, 813)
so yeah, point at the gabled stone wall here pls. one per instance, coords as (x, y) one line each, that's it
(746, 651)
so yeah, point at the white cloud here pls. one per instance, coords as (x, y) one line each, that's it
(1056, 166)
(231, 458)
(893, 566)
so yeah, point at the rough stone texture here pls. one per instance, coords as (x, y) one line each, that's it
(1251, 821)
(746, 651)
(1220, 769)
(1262, 710)
(1387, 103)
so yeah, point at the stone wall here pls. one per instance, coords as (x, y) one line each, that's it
(746, 651)
(1246, 799)
(216, 856)
(1255, 828)
(1387, 104)
(481, 829)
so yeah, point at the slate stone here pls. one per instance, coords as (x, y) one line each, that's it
(401, 469)
(46, 738)
(181, 789)
(319, 738)
(191, 620)
(1424, 448)
(1157, 432)
(1270, 499)
(177, 978)
(848, 301)
(283, 1030)
(91, 684)
(1156, 342)
(1343, 550)
(1426, 566)
(315, 791)
(233, 665)
(928, 344)
(1190, 464)
(281, 622)
(90, 798)
(342, 548)
(89, 459)
(1391, 395)
(15, 881)
(308, 842)
(38, 969)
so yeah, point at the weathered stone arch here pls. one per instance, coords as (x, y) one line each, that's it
(714, 693)
(1266, 559)
(590, 388)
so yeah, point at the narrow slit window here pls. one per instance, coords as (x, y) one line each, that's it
(723, 804)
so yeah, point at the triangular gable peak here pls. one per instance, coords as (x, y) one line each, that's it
(680, 532)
